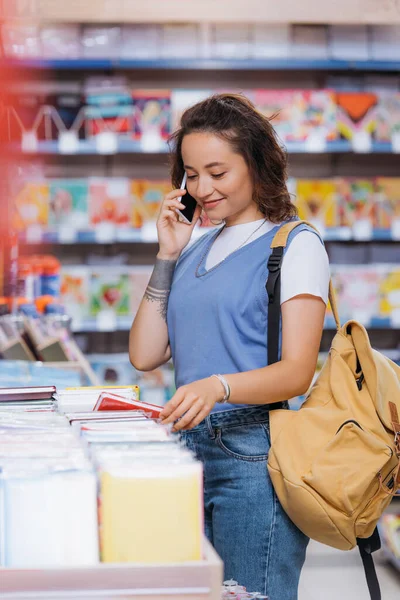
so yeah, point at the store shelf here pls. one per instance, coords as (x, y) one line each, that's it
(128, 236)
(381, 323)
(89, 147)
(202, 64)
(202, 580)
(94, 324)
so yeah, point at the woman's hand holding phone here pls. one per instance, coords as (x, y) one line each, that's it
(173, 234)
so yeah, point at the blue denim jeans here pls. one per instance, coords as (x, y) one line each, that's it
(260, 546)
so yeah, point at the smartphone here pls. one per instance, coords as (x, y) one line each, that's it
(190, 203)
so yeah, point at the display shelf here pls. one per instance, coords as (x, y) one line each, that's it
(201, 580)
(111, 324)
(204, 64)
(381, 323)
(138, 236)
(89, 147)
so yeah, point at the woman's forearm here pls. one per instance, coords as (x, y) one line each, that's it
(275, 383)
(148, 340)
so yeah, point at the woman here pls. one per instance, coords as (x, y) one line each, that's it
(206, 306)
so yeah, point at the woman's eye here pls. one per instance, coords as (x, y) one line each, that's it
(191, 176)
(218, 175)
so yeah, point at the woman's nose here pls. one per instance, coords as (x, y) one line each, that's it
(204, 189)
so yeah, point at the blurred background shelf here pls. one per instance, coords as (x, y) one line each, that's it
(89, 147)
(205, 64)
(124, 324)
(128, 236)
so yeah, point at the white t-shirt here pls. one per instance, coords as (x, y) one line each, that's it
(305, 266)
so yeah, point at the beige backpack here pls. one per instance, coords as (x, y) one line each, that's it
(334, 463)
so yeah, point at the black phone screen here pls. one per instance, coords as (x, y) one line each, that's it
(190, 204)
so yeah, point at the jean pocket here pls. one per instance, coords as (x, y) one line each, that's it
(245, 442)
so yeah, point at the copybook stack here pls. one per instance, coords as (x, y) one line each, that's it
(100, 470)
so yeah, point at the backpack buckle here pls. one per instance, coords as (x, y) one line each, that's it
(275, 259)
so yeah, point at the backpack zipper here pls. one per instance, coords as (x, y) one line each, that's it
(360, 381)
(349, 421)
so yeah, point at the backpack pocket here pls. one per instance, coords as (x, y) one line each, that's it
(346, 472)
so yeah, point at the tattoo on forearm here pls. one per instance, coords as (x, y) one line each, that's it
(160, 284)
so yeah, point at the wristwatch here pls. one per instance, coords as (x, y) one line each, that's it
(227, 389)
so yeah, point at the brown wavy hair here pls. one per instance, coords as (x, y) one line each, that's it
(234, 118)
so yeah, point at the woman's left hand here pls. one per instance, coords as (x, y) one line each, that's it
(192, 403)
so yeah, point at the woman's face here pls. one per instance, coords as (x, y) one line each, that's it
(219, 179)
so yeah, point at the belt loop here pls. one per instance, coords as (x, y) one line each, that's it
(210, 427)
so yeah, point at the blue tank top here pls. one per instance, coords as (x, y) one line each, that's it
(217, 319)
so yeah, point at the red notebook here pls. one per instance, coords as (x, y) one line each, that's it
(114, 402)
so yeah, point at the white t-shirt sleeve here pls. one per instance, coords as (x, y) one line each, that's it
(305, 268)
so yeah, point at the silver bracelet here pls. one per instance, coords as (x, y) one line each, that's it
(226, 388)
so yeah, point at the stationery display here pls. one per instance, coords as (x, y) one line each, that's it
(172, 40)
(111, 477)
(130, 205)
(109, 111)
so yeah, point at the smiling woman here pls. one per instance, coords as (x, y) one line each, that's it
(252, 163)
(206, 307)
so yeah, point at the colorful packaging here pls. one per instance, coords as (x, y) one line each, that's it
(356, 200)
(389, 293)
(32, 205)
(276, 106)
(295, 114)
(357, 291)
(183, 99)
(356, 113)
(387, 201)
(110, 201)
(148, 196)
(314, 112)
(109, 290)
(69, 203)
(316, 201)
(152, 113)
(109, 106)
(75, 291)
(388, 115)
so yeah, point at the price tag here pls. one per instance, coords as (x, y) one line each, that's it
(151, 141)
(68, 142)
(395, 229)
(149, 232)
(362, 142)
(396, 142)
(106, 320)
(315, 142)
(104, 233)
(363, 316)
(395, 318)
(77, 324)
(106, 143)
(29, 142)
(362, 230)
(117, 188)
(67, 234)
(344, 233)
(34, 234)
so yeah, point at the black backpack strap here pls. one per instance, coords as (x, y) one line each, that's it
(273, 287)
(367, 547)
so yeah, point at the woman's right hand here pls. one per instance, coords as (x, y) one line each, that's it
(174, 235)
